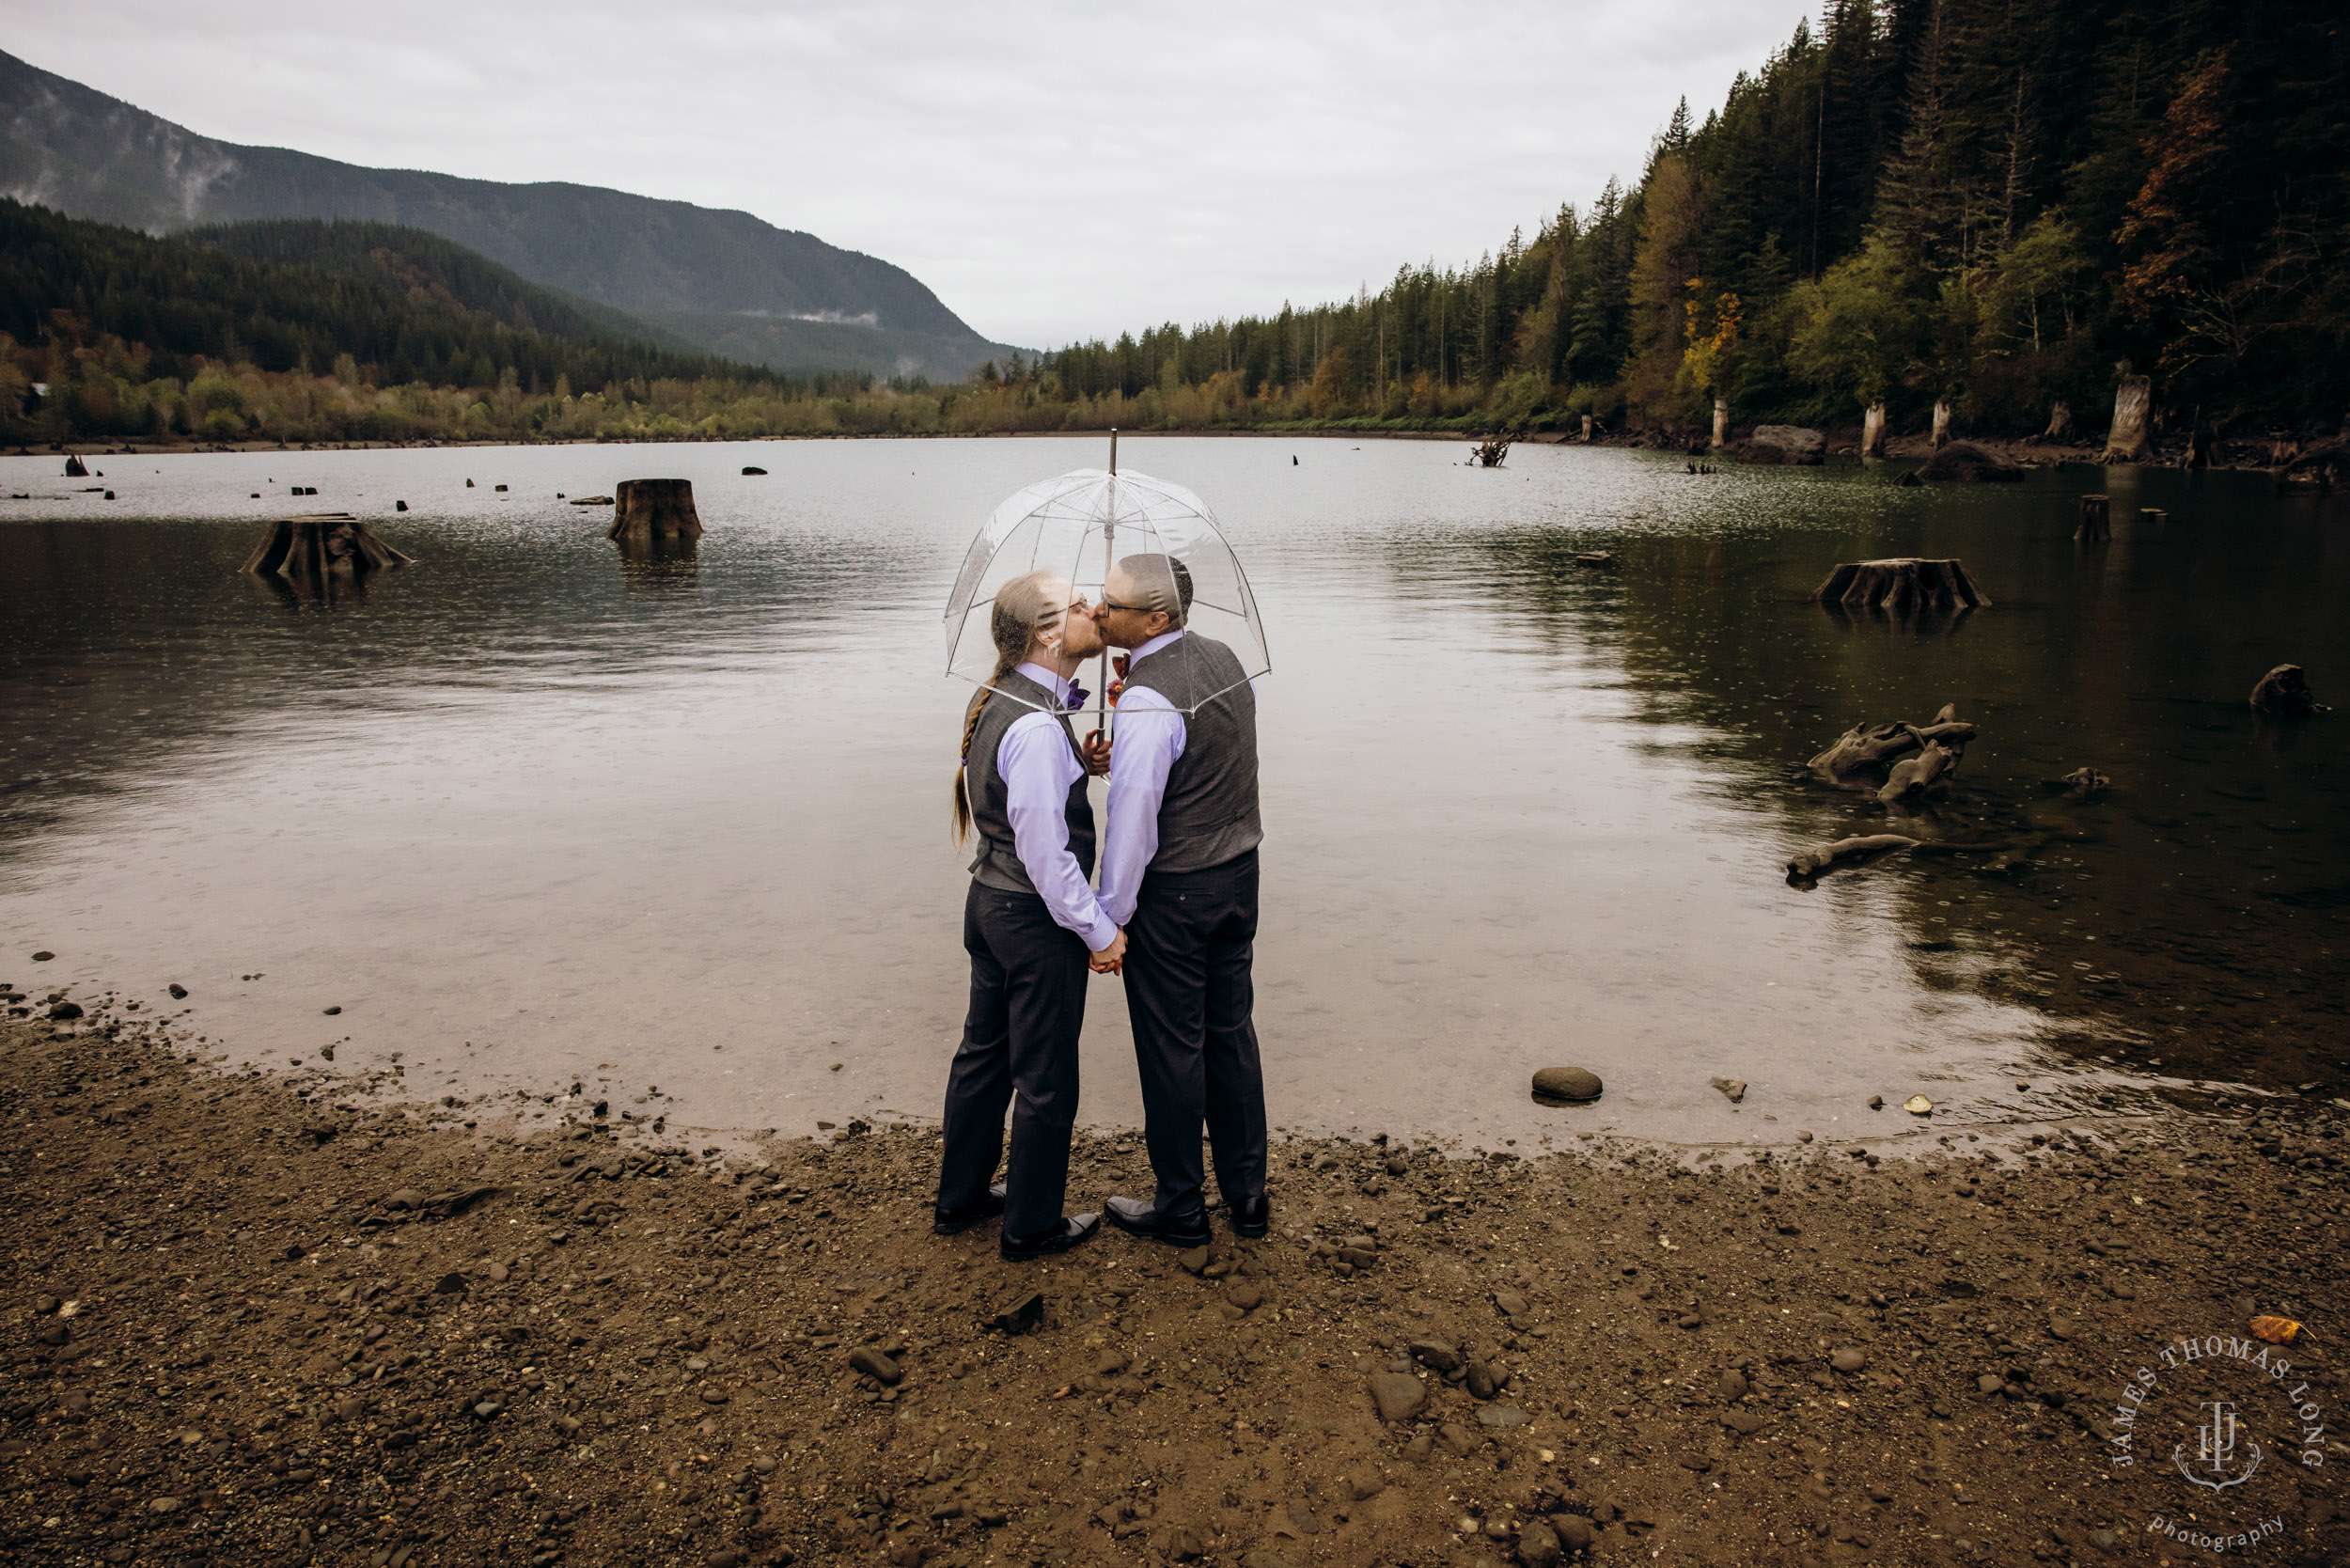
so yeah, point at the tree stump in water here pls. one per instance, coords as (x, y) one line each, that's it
(654, 509)
(2284, 690)
(1490, 451)
(1721, 423)
(2133, 401)
(1873, 431)
(326, 541)
(2096, 524)
(75, 468)
(1902, 583)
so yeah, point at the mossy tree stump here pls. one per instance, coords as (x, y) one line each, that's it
(646, 510)
(1902, 583)
(322, 542)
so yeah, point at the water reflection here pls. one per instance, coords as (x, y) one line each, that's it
(1525, 807)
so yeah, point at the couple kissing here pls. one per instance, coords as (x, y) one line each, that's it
(1175, 915)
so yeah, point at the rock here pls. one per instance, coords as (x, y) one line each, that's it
(65, 1010)
(333, 1010)
(406, 1198)
(487, 1409)
(1990, 1383)
(1574, 1532)
(2284, 690)
(1696, 1462)
(449, 1284)
(1460, 1439)
(1777, 443)
(498, 1274)
(1876, 1101)
(1420, 1447)
(1435, 1353)
(1744, 1422)
(43, 956)
(1963, 463)
(1021, 1313)
(1243, 1295)
(1194, 1259)
(714, 1396)
(1500, 1417)
(1399, 1395)
(1537, 1545)
(1572, 1085)
(751, 468)
(1733, 1089)
(873, 1364)
(1511, 1304)
(1733, 1385)
(1848, 1360)
(1481, 1380)
(178, 991)
(164, 1505)
(1917, 1105)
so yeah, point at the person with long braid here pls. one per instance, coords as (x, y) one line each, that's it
(1031, 924)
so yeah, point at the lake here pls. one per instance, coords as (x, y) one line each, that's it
(532, 814)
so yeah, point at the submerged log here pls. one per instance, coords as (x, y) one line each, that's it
(320, 543)
(1862, 747)
(2284, 690)
(2133, 403)
(1873, 431)
(654, 509)
(1808, 865)
(1963, 463)
(1913, 776)
(1902, 583)
(2096, 524)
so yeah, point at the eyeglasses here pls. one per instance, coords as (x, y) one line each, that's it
(1109, 604)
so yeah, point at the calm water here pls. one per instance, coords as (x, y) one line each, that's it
(531, 813)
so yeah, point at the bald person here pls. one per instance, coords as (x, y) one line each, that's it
(1179, 874)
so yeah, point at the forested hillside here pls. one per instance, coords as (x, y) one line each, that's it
(1971, 201)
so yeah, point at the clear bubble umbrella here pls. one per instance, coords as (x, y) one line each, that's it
(1080, 525)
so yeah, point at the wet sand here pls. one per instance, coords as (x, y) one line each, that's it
(256, 1319)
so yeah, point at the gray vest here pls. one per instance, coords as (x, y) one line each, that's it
(1209, 813)
(998, 864)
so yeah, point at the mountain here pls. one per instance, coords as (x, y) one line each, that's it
(776, 296)
(173, 300)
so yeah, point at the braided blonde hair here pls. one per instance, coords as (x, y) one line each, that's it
(1028, 604)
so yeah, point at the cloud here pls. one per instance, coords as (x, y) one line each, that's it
(1052, 170)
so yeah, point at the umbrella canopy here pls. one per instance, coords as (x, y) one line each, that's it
(1077, 525)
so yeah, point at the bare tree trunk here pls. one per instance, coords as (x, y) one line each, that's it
(2133, 401)
(1873, 431)
(1941, 424)
(2096, 524)
(1721, 423)
(1587, 430)
(2059, 422)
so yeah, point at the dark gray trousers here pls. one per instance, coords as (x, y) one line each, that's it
(1190, 995)
(1027, 1007)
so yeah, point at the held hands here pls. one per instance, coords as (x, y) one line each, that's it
(1096, 754)
(1111, 960)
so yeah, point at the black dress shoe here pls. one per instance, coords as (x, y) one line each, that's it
(953, 1222)
(1071, 1232)
(1140, 1219)
(1252, 1216)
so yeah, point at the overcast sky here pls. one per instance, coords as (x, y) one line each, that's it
(1052, 170)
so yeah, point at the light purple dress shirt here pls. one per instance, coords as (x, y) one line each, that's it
(1150, 737)
(1038, 768)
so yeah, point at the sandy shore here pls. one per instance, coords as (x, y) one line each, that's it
(248, 1323)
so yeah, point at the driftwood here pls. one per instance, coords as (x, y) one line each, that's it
(314, 545)
(1490, 451)
(2284, 690)
(2096, 524)
(1809, 864)
(2084, 782)
(654, 509)
(1863, 747)
(1913, 776)
(1902, 583)
(593, 501)
(2133, 401)
(1598, 560)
